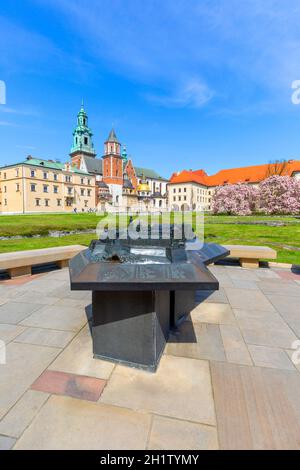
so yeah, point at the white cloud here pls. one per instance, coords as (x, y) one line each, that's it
(194, 93)
(246, 51)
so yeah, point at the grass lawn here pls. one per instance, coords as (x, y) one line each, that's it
(218, 229)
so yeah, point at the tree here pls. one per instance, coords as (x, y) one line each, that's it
(278, 167)
(279, 195)
(235, 199)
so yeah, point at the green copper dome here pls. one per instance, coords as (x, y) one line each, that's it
(82, 134)
(124, 154)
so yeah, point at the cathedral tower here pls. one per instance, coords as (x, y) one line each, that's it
(82, 139)
(113, 166)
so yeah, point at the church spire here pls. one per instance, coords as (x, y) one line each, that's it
(82, 135)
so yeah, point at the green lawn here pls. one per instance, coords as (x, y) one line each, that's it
(219, 229)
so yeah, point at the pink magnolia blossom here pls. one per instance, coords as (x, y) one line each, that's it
(234, 199)
(275, 195)
(279, 195)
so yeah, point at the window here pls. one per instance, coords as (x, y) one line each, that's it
(68, 179)
(5, 189)
(69, 202)
(59, 202)
(32, 173)
(32, 188)
(55, 189)
(174, 198)
(86, 203)
(179, 190)
(69, 190)
(82, 192)
(45, 175)
(45, 188)
(17, 172)
(5, 202)
(17, 187)
(184, 198)
(179, 198)
(37, 202)
(184, 190)
(86, 141)
(89, 182)
(82, 181)
(4, 176)
(55, 176)
(174, 190)
(47, 202)
(89, 192)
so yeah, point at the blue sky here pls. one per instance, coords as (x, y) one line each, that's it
(187, 84)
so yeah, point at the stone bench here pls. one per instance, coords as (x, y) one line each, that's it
(249, 256)
(19, 263)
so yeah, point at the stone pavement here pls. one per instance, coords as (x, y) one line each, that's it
(226, 380)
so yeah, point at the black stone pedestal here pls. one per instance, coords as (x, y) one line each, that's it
(182, 302)
(131, 327)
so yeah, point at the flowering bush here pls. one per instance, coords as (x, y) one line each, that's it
(279, 195)
(275, 195)
(234, 199)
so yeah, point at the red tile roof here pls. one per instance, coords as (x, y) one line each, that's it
(248, 174)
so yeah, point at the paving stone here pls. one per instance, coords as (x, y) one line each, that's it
(59, 274)
(222, 276)
(57, 318)
(62, 291)
(212, 313)
(15, 312)
(45, 337)
(267, 329)
(6, 443)
(77, 358)
(36, 297)
(288, 275)
(198, 341)
(280, 286)
(25, 362)
(248, 299)
(20, 416)
(288, 307)
(9, 332)
(242, 274)
(235, 348)
(294, 356)
(243, 284)
(167, 433)
(263, 356)
(257, 408)
(217, 296)
(180, 388)
(66, 302)
(44, 285)
(267, 273)
(76, 386)
(71, 424)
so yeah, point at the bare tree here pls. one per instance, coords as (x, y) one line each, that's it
(277, 167)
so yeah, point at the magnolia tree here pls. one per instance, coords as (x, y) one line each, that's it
(279, 195)
(234, 199)
(275, 195)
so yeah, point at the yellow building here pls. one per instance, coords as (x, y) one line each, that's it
(36, 186)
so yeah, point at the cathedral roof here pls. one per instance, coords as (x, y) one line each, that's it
(93, 165)
(112, 137)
